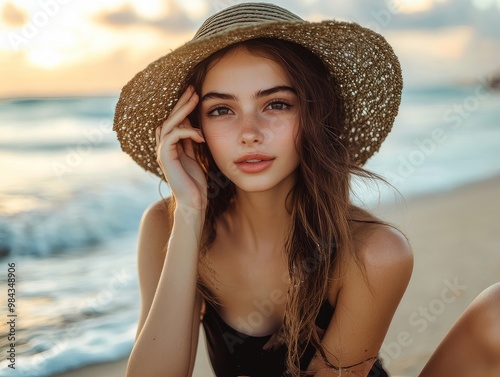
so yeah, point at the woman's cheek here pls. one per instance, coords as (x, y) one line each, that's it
(219, 150)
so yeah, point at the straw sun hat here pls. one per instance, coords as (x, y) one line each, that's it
(363, 63)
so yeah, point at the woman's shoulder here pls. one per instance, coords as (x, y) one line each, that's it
(380, 245)
(372, 236)
(154, 233)
(161, 208)
(158, 215)
(382, 242)
(379, 265)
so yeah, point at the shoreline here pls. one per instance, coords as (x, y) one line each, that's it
(455, 241)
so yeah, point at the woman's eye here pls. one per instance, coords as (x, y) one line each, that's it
(218, 111)
(278, 106)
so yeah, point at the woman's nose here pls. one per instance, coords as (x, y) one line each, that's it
(250, 132)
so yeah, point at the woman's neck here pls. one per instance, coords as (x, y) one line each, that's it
(260, 220)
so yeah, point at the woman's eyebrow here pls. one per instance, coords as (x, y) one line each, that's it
(217, 95)
(259, 94)
(276, 89)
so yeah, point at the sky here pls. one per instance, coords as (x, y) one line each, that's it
(93, 47)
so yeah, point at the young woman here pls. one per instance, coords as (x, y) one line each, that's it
(259, 241)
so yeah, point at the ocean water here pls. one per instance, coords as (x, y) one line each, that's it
(71, 203)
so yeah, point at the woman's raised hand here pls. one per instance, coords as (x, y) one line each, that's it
(175, 153)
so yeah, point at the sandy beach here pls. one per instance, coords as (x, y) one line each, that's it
(456, 242)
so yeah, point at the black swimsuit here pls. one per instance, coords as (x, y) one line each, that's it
(233, 353)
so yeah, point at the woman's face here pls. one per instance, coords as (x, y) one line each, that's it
(250, 120)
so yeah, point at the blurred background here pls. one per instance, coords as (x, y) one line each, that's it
(71, 201)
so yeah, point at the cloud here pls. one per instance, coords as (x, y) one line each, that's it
(176, 21)
(13, 16)
(452, 40)
(449, 14)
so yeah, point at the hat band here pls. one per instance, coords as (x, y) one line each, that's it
(243, 16)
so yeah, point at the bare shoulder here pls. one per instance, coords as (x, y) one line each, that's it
(154, 231)
(384, 244)
(383, 258)
(157, 211)
(379, 245)
(156, 217)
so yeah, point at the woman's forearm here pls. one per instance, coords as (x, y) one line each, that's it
(163, 346)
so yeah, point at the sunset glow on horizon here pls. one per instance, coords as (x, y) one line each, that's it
(65, 47)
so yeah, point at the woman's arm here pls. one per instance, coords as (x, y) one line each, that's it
(167, 334)
(366, 302)
(168, 254)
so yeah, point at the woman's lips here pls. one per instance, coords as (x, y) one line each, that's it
(254, 163)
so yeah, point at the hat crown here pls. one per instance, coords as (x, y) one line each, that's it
(245, 14)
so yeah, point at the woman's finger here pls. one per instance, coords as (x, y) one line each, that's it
(180, 116)
(185, 125)
(188, 148)
(178, 134)
(157, 136)
(183, 99)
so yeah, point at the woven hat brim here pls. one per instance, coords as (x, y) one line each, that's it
(363, 64)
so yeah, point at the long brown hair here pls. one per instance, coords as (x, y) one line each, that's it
(321, 212)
